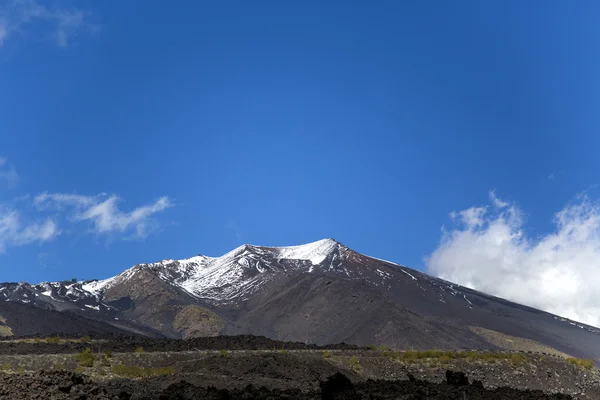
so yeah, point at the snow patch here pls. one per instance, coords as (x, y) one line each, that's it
(318, 259)
(413, 278)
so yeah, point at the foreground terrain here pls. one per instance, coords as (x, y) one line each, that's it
(255, 368)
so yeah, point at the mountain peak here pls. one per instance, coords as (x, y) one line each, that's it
(313, 251)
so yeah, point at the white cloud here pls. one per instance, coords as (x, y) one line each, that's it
(61, 200)
(496, 201)
(488, 250)
(103, 213)
(14, 232)
(18, 15)
(8, 173)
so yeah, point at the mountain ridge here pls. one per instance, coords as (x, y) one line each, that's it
(320, 292)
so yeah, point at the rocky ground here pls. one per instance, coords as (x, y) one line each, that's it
(257, 368)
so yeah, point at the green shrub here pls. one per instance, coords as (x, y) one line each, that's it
(86, 358)
(37, 340)
(223, 353)
(140, 350)
(6, 367)
(133, 371)
(108, 354)
(372, 347)
(21, 370)
(326, 354)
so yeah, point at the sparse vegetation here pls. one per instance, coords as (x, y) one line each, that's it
(37, 340)
(584, 363)
(140, 350)
(446, 356)
(354, 363)
(5, 330)
(86, 358)
(53, 339)
(223, 353)
(85, 339)
(133, 371)
(6, 367)
(108, 354)
(326, 354)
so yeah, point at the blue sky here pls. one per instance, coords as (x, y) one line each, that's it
(136, 131)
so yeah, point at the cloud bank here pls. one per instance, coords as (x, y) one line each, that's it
(488, 250)
(18, 16)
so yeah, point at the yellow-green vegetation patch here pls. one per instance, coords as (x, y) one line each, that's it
(223, 353)
(53, 339)
(5, 330)
(196, 321)
(584, 363)
(354, 363)
(86, 358)
(133, 371)
(140, 350)
(85, 339)
(446, 356)
(326, 354)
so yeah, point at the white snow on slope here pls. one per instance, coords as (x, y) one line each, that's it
(240, 272)
(393, 263)
(315, 251)
(98, 286)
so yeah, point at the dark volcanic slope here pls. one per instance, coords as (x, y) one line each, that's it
(322, 292)
(23, 320)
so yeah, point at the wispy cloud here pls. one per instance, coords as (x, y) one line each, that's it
(488, 250)
(555, 175)
(15, 232)
(104, 214)
(8, 172)
(18, 16)
(233, 227)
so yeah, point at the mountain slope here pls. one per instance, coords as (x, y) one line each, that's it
(321, 292)
(26, 320)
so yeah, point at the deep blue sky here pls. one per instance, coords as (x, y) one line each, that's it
(280, 123)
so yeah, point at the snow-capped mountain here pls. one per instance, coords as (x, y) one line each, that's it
(318, 292)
